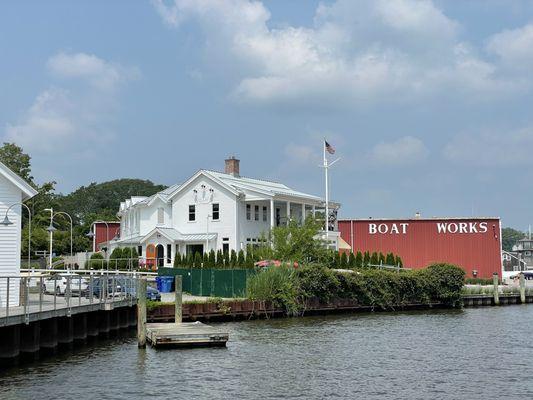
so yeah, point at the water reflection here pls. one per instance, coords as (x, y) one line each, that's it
(470, 354)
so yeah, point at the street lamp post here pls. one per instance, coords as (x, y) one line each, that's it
(51, 230)
(7, 222)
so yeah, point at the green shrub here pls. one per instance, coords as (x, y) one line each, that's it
(275, 284)
(291, 288)
(96, 261)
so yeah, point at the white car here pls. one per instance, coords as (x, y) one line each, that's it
(59, 284)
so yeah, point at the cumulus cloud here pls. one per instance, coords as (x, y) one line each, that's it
(492, 149)
(357, 51)
(403, 151)
(74, 118)
(514, 47)
(102, 74)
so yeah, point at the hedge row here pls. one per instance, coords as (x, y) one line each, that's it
(291, 288)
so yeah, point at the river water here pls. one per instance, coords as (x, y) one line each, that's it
(480, 353)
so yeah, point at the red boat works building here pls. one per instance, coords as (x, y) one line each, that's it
(471, 243)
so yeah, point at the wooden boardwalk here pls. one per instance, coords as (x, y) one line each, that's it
(186, 334)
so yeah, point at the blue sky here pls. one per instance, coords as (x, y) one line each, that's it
(427, 102)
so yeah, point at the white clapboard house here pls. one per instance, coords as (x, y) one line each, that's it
(212, 211)
(13, 191)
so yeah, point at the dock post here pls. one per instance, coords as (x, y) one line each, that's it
(495, 282)
(178, 315)
(522, 288)
(141, 313)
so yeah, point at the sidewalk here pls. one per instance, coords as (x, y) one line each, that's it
(169, 298)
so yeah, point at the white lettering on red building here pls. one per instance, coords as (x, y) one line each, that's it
(392, 229)
(461, 227)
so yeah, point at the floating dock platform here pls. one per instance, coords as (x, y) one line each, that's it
(185, 334)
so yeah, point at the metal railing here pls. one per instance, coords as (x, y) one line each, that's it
(44, 291)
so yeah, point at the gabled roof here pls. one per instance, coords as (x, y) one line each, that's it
(238, 185)
(258, 185)
(27, 190)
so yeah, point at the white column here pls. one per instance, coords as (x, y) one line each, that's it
(288, 212)
(314, 210)
(272, 213)
(303, 213)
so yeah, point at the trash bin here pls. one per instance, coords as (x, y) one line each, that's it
(158, 282)
(166, 284)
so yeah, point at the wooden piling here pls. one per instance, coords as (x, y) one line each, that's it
(522, 288)
(178, 313)
(141, 313)
(495, 282)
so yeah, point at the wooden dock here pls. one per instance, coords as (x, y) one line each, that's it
(185, 334)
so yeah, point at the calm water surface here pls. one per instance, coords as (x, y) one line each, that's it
(471, 354)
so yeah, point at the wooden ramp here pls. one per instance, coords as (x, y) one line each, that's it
(185, 334)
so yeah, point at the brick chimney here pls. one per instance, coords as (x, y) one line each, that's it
(232, 166)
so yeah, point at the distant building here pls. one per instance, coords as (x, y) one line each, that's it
(13, 191)
(471, 243)
(104, 232)
(524, 251)
(212, 211)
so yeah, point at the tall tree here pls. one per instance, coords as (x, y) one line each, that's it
(16, 160)
(509, 238)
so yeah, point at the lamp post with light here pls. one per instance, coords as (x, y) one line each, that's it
(52, 229)
(7, 222)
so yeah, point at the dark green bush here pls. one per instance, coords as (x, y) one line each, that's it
(440, 283)
(96, 261)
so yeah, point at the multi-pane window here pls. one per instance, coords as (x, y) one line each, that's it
(216, 211)
(248, 212)
(256, 213)
(160, 215)
(192, 213)
(264, 214)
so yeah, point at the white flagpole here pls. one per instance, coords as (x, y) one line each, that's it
(327, 192)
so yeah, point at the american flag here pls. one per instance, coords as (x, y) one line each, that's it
(329, 148)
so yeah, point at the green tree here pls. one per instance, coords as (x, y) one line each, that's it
(510, 237)
(177, 260)
(300, 243)
(366, 259)
(220, 259)
(398, 262)
(374, 259)
(389, 259)
(17, 161)
(211, 260)
(359, 259)
(351, 260)
(233, 259)
(198, 259)
(240, 259)
(343, 261)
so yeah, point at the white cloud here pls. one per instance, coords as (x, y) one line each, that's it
(357, 51)
(301, 154)
(403, 151)
(492, 149)
(514, 47)
(102, 74)
(74, 119)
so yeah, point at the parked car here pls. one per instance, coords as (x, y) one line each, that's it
(64, 283)
(120, 286)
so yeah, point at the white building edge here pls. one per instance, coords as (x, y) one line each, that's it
(212, 211)
(13, 191)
